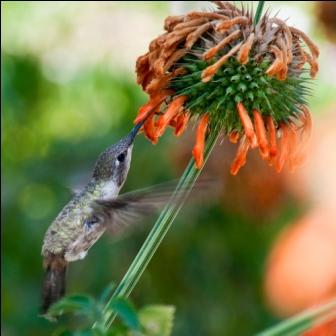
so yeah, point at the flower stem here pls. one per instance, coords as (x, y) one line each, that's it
(160, 228)
(259, 10)
(304, 321)
(156, 235)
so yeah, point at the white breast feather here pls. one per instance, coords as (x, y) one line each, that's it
(110, 190)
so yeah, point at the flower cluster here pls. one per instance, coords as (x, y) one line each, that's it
(249, 80)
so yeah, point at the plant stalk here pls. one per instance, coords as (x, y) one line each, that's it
(161, 226)
(304, 321)
(259, 10)
(156, 234)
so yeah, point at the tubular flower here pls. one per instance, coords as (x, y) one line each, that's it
(250, 81)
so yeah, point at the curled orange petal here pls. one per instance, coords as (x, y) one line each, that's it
(240, 158)
(150, 130)
(214, 50)
(211, 70)
(172, 109)
(227, 24)
(198, 150)
(243, 55)
(181, 123)
(261, 134)
(153, 103)
(276, 67)
(247, 124)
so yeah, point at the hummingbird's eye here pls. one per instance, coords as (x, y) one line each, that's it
(121, 157)
(89, 222)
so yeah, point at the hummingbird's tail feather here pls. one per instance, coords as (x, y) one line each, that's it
(54, 280)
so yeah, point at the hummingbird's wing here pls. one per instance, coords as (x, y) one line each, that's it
(129, 208)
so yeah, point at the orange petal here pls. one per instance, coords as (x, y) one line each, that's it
(277, 66)
(149, 129)
(234, 136)
(211, 70)
(272, 136)
(284, 150)
(147, 108)
(261, 134)
(214, 50)
(247, 124)
(181, 123)
(227, 24)
(240, 158)
(172, 109)
(198, 150)
(173, 121)
(293, 148)
(243, 55)
(307, 121)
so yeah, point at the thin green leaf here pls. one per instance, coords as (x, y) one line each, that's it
(106, 293)
(126, 312)
(86, 332)
(77, 304)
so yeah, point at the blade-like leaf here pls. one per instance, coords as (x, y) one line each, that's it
(126, 312)
(77, 304)
(105, 295)
(86, 332)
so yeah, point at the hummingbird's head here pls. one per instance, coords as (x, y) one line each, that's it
(113, 164)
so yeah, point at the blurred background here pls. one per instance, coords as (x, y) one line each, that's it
(264, 250)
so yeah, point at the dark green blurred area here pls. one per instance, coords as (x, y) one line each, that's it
(210, 265)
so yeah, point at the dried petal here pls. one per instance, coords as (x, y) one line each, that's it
(227, 24)
(244, 51)
(311, 45)
(213, 16)
(213, 51)
(171, 21)
(194, 36)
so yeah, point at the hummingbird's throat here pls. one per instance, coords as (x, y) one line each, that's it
(110, 190)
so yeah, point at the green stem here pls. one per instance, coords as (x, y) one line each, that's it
(160, 228)
(155, 236)
(257, 15)
(304, 321)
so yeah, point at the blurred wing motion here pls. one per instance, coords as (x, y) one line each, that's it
(130, 208)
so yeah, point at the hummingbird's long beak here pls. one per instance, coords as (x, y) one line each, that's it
(135, 130)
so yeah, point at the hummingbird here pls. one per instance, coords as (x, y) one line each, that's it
(90, 213)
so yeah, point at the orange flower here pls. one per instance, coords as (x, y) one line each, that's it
(218, 66)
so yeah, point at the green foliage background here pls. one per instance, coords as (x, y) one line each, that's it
(52, 132)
